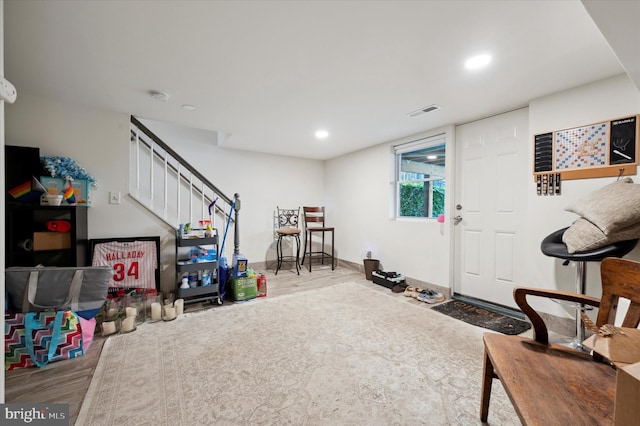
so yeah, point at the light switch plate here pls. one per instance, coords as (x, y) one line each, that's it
(114, 198)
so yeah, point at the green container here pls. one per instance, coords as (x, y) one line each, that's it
(244, 288)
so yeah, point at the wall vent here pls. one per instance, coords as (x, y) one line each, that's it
(424, 110)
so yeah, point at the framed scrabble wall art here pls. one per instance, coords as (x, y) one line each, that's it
(607, 148)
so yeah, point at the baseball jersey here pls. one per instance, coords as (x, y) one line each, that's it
(133, 263)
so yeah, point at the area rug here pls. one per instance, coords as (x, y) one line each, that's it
(482, 317)
(344, 354)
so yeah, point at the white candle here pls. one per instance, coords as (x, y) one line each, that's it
(108, 327)
(179, 304)
(131, 312)
(111, 312)
(169, 313)
(128, 324)
(156, 311)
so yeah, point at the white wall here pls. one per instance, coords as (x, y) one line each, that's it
(359, 209)
(355, 187)
(263, 181)
(358, 189)
(98, 140)
(592, 103)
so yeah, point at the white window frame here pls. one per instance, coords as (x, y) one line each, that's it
(415, 145)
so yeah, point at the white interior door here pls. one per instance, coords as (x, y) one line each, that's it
(491, 179)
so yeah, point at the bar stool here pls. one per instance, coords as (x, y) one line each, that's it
(553, 246)
(314, 222)
(288, 227)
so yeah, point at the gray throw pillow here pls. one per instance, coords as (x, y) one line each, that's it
(612, 207)
(584, 236)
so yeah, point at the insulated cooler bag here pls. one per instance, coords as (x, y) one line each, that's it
(80, 289)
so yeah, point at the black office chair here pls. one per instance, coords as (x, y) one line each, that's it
(553, 246)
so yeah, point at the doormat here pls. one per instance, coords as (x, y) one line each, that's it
(482, 317)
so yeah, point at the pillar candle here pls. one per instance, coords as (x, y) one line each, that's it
(131, 312)
(108, 327)
(169, 313)
(156, 311)
(128, 324)
(179, 305)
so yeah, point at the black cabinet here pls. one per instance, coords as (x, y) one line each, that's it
(197, 260)
(29, 240)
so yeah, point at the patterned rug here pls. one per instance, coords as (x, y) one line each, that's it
(482, 317)
(345, 354)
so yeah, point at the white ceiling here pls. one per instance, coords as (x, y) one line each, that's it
(269, 73)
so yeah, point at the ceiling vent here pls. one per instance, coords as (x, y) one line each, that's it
(424, 110)
(159, 96)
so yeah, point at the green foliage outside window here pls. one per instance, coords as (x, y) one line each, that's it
(412, 200)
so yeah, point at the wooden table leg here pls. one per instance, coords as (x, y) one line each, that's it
(487, 381)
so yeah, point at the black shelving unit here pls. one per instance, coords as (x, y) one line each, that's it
(22, 220)
(185, 266)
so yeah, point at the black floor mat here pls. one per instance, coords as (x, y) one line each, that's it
(482, 317)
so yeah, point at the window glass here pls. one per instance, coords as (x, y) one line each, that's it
(421, 178)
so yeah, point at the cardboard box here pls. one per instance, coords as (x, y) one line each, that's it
(244, 288)
(620, 348)
(627, 395)
(51, 241)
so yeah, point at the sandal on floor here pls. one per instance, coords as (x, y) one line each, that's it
(416, 292)
(408, 291)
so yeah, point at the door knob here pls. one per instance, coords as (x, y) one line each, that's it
(457, 220)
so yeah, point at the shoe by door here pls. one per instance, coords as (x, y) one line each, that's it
(492, 168)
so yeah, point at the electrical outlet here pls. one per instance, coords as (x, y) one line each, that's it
(114, 198)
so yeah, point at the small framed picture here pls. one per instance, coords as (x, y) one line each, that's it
(54, 185)
(81, 192)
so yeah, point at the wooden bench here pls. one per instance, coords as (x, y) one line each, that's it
(550, 384)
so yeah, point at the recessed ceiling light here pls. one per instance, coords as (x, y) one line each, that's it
(159, 96)
(478, 61)
(432, 157)
(322, 134)
(188, 107)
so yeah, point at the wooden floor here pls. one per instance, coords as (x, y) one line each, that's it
(67, 381)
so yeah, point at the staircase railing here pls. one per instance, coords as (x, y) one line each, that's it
(167, 185)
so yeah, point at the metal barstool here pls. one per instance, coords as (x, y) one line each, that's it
(288, 227)
(553, 246)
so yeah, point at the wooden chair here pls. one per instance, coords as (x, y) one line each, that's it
(553, 384)
(314, 222)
